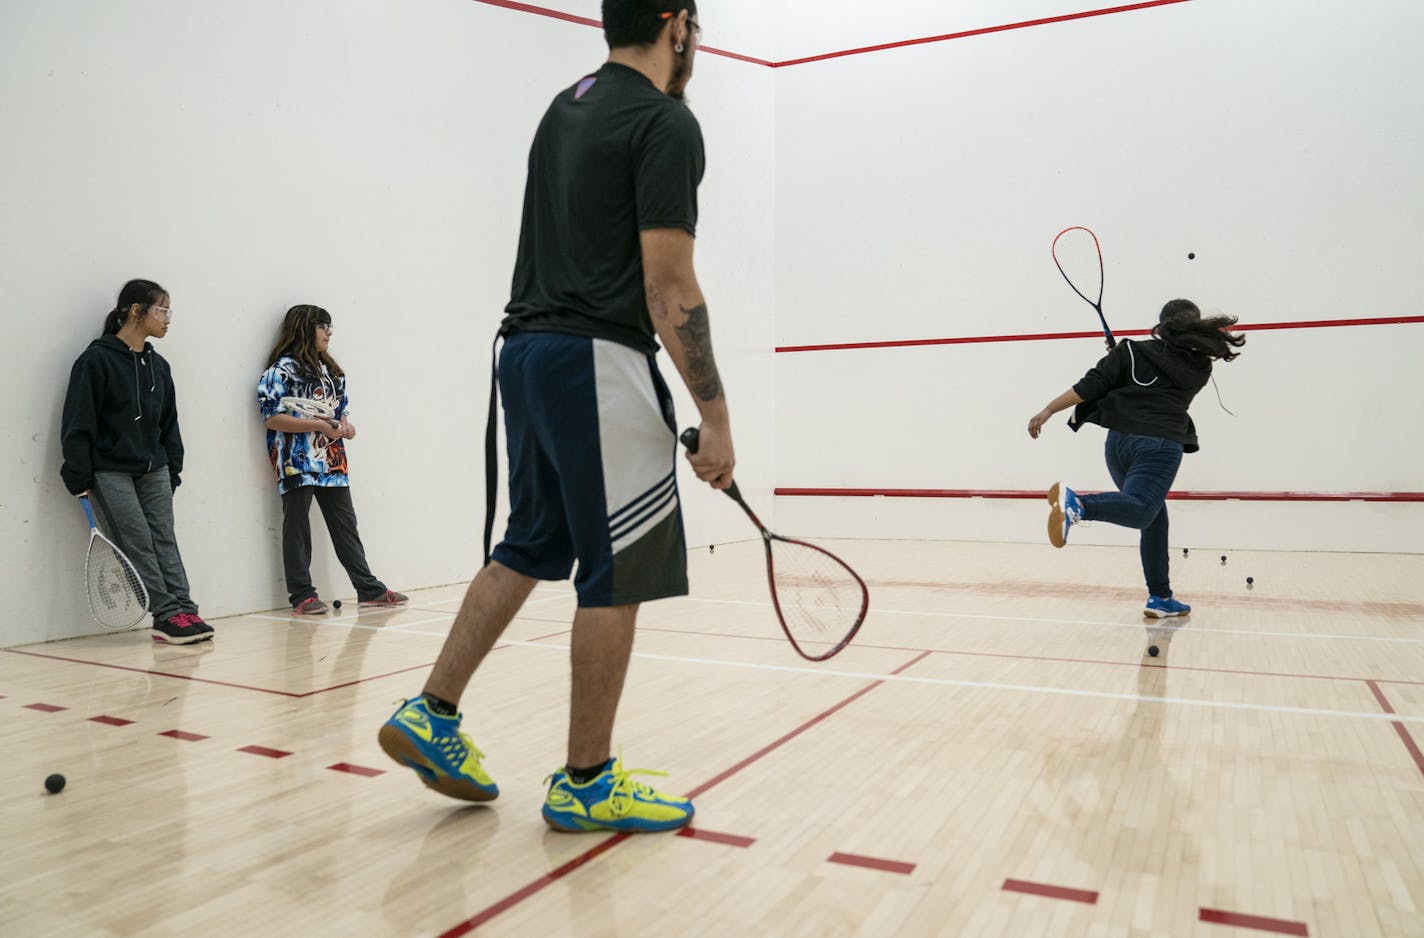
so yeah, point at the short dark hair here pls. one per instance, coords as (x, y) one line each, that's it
(639, 22)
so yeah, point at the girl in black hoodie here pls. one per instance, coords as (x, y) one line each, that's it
(119, 435)
(1141, 392)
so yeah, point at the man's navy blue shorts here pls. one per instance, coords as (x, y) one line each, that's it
(592, 469)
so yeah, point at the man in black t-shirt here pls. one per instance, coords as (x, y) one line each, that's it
(604, 273)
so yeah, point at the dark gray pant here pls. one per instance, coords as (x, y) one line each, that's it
(138, 513)
(340, 515)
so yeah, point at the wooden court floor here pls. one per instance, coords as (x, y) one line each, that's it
(997, 755)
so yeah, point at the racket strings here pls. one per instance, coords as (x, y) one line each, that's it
(820, 598)
(117, 596)
(1080, 261)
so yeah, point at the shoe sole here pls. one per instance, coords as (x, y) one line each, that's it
(596, 826)
(1164, 614)
(163, 639)
(403, 750)
(317, 612)
(383, 605)
(1056, 535)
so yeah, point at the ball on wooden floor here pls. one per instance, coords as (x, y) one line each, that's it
(336, 604)
(1152, 650)
(1223, 558)
(1184, 552)
(54, 784)
(1250, 580)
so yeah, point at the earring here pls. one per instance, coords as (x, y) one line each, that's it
(677, 48)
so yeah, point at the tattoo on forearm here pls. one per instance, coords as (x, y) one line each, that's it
(696, 336)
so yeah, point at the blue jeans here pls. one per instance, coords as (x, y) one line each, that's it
(1143, 468)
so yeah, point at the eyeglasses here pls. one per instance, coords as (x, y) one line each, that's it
(163, 311)
(324, 327)
(690, 21)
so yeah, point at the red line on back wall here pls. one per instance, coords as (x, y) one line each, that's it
(882, 47)
(1096, 334)
(1045, 21)
(1037, 494)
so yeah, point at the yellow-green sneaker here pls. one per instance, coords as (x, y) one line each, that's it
(612, 801)
(444, 758)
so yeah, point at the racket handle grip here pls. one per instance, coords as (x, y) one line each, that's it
(88, 512)
(690, 438)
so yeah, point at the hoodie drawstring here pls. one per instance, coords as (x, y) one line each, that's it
(138, 388)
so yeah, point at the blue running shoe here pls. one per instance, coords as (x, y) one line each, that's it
(444, 758)
(613, 802)
(1165, 608)
(1066, 511)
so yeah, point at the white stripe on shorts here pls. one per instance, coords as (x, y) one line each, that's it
(638, 448)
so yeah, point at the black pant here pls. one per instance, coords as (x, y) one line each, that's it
(340, 515)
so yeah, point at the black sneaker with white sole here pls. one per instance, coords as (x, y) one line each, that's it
(181, 628)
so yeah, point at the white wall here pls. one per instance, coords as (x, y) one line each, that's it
(368, 157)
(919, 189)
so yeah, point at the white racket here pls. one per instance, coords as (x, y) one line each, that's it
(118, 599)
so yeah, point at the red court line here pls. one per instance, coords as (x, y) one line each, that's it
(1048, 336)
(110, 721)
(1259, 922)
(181, 677)
(1133, 663)
(1404, 735)
(44, 707)
(186, 737)
(361, 770)
(362, 680)
(553, 876)
(731, 840)
(1410, 745)
(872, 863)
(548, 879)
(1379, 696)
(264, 751)
(1036, 494)
(204, 680)
(1051, 892)
(770, 747)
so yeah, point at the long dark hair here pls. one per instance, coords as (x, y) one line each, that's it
(297, 341)
(143, 292)
(1181, 325)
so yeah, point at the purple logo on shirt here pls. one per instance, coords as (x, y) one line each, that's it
(583, 87)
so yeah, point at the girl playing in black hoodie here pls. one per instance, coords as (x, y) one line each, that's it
(119, 434)
(1140, 392)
